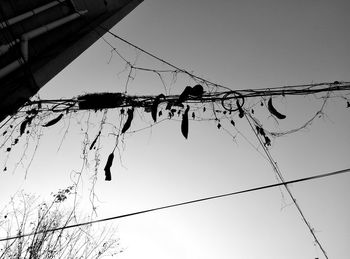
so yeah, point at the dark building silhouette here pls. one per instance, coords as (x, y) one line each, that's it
(38, 38)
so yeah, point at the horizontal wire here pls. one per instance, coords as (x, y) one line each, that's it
(183, 203)
(147, 100)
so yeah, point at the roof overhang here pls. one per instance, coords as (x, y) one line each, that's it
(40, 38)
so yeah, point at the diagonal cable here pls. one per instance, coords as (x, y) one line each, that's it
(281, 178)
(184, 203)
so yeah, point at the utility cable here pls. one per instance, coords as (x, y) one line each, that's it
(106, 30)
(184, 203)
(59, 105)
(178, 69)
(162, 60)
(256, 92)
(274, 165)
(198, 77)
(281, 178)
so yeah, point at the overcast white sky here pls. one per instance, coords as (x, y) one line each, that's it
(240, 44)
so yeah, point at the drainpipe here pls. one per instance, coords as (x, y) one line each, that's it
(32, 34)
(43, 29)
(6, 47)
(11, 67)
(29, 14)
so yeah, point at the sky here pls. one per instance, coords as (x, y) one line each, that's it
(241, 45)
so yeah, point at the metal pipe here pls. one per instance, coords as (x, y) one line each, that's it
(4, 48)
(31, 13)
(30, 35)
(43, 29)
(48, 27)
(11, 67)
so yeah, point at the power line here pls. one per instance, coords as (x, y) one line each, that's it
(162, 60)
(258, 92)
(252, 93)
(122, 100)
(281, 178)
(183, 203)
(202, 79)
(177, 69)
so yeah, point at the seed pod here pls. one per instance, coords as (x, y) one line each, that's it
(27, 121)
(241, 111)
(267, 141)
(128, 120)
(54, 121)
(184, 123)
(184, 95)
(273, 111)
(197, 91)
(168, 106)
(32, 112)
(155, 107)
(260, 131)
(23, 126)
(108, 167)
(94, 142)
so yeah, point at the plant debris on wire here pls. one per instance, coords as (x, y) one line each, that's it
(47, 113)
(230, 100)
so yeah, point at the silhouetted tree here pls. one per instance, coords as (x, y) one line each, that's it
(25, 215)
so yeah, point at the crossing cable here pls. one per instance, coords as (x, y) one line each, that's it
(106, 30)
(336, 86)
(285, 184)
(59, 105)
(256, 92)
(285, 90)
(162, 60)
(184, 203)
(213, 197)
